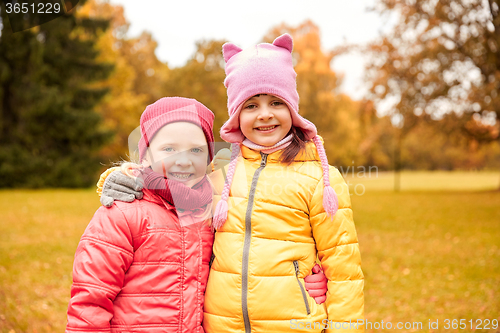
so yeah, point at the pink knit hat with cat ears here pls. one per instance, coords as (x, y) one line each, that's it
(264, 69)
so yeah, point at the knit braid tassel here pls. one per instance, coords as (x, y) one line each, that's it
(220, 213)
(330, 199)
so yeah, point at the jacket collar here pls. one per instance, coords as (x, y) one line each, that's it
(308, 154)
(154, 198)
(186, 218)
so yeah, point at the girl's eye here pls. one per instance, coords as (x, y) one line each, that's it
(168, 149)
(250, 106)
(277, 103)
(197, 150)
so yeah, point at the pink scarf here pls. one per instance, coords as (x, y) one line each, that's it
(330, 200)
(269, 149)
(186, 200)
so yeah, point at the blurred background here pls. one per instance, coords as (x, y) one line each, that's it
(404, 92)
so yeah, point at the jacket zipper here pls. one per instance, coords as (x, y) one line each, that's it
(304, 296)
(246, 244)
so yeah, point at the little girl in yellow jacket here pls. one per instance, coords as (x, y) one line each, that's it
(280, 207)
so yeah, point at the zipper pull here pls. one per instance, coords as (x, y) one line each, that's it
(263, 160)
(296, 265)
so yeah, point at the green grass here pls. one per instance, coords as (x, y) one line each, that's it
(39, 234)
(426, 254)
(430, 255)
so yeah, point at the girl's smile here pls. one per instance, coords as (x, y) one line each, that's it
(179, 151)
(180, 175)
(267, 129)
(265, 119)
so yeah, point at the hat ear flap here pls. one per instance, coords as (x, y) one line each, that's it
(284, 41)
(229, 50)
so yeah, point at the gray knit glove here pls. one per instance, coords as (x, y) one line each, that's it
(121, 187)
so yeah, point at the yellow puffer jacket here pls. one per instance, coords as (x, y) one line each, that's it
(276, 228)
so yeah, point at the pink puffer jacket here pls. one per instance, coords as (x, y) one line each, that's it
(137, 270)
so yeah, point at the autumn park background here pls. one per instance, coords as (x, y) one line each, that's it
(427, 215)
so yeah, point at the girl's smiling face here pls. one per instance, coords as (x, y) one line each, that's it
(179, 151)
(265, 119)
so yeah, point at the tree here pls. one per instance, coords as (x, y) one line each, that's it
(202, 79)
(441, 57)
(377, 134)
(49, 132)
(445, 148)
(135, 82)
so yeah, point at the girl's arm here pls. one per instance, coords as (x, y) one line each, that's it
(338, 250)
(104, 254)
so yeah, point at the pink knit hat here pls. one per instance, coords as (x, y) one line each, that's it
(264, 69)
(168, 110)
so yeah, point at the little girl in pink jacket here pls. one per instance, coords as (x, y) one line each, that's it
(143, 266)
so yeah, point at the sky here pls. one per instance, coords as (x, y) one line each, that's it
(177, 25)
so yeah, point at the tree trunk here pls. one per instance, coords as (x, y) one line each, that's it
(397, 162)
(498, 189)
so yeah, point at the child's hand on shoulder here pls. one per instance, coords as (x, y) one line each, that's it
(122, 185)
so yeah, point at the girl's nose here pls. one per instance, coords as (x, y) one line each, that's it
(265, 113)
(182, 160)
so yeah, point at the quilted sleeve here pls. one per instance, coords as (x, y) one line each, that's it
(338, 250)
(104, 254)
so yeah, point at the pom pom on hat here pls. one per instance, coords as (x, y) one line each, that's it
(220, 214)
(330, 199)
